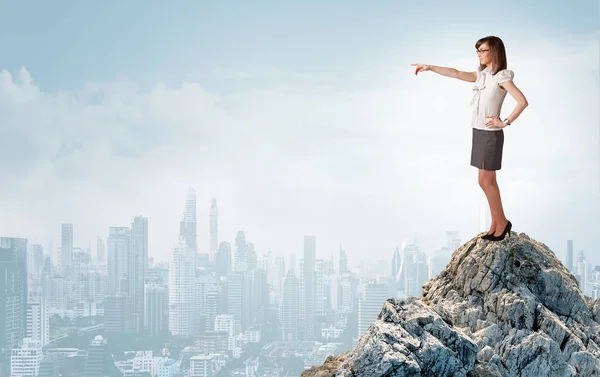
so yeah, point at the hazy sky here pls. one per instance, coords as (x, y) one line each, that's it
(300, 119)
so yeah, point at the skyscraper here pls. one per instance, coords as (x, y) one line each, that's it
(309, 281)
(290, 307)
(343, 261)
(240, 254)
(156, 316)
(214, 230)
(138, 269)
(570, 255)
(370, 305)
(66, 248)
(223, 260)
(187, 228)
(100, 252)
(118, 258)
(13, 297)
(181, 289)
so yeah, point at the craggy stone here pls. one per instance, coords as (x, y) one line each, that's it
(498, 309)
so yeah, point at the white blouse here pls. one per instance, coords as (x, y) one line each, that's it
(488, 97)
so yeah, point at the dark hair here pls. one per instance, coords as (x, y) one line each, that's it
(497, 50)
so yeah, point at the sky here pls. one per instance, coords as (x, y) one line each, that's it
(300, 119)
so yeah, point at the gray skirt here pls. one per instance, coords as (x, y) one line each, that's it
(486, 149)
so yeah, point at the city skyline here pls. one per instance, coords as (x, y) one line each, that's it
(320, 130)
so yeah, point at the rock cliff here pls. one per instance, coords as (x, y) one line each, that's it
(507, 308)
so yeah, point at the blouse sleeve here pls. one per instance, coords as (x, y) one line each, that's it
(505, 75)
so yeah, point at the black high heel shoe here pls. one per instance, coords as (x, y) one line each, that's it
(501, 237)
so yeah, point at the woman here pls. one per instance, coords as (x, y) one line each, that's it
(492, 81)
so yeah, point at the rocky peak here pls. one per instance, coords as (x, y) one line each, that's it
(507, 308)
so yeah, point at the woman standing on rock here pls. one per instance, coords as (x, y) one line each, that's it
(492, 81)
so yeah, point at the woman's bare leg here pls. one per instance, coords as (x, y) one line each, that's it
(487, 181)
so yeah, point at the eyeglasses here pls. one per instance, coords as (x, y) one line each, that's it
(481, 51)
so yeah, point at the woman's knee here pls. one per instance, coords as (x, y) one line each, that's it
(486, 181)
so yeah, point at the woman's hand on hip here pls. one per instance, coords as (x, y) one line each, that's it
(493, 121)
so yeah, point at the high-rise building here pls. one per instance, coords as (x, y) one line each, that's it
(118, 258)
(13, 297)
(370, 305)
(181, 289)
(240, 254)
(343, 267)
(570, 256)
(38, 321)
(25, 360)
(214, 229)
(156, 316)
(66, 248)
(452, 239)
(223, 265)
(115, 313)
(320, 292)
(290, 308)
(138, 269)
(187, 226)
(100, 251)
(238, 300)
(35, 261)
(309, 276)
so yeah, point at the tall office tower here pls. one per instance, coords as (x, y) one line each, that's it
(213, 307)
(343, 262)
(238, 299)
(251, 257)
(582, 271)
(115, 313)
(35, 261)
(118, 257)
(223, 260)
(156, 314)
(66, 249)
(38, 321)
(138, 269)
(396, 262)
(320, 293)
(370, 305)
(259, 303)
(181, 289)
(414, 273)
(333, 293)
(308, 271)
(290, 308)
(100, 251)
(570, 255)
(187, 227)
(203, 284)
(452, 239)
(25, 360)
(214, 230)
(13, 297)
(279, 277)
(241, 253)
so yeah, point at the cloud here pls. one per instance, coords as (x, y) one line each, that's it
(355, 161)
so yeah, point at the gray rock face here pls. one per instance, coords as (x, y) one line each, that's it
(500, 309)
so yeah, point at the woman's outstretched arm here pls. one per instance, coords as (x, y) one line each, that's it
(448, 72)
